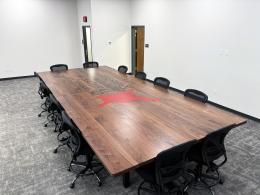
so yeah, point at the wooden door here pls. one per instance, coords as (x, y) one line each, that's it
(138, 48)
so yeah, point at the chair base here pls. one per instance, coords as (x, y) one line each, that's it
(44, 107)
(156, 189)
(50, 119)
(88, 169)
(151, 189)
(56, 149)
(86, 172)
(40, 114)
(201, 183)
(54, 118)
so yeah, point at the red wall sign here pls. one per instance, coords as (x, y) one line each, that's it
(85, 19)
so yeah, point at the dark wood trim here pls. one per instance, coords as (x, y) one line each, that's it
(20, 77)
(220, 106)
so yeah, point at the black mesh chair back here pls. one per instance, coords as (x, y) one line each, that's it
(78, 147)
(162, 82)
(54, 104)
(59, 67)
(171, 164)
(43, 90)
(140, 75)
(122, 69)
(77, 143)
(213, 146)
(66, 121)
(90, 65)
(196, 94)
(75, 140)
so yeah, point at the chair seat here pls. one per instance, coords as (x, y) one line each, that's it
(195, 154)
(147, 172)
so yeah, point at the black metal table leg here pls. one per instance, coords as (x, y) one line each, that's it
(126, 180)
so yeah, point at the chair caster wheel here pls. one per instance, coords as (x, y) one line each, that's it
(45, 125)
(99, 183)
(55, 151)
(72, 185)
(221, 181)
(39, 115)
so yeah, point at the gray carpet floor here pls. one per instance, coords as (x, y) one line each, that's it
(28, 165)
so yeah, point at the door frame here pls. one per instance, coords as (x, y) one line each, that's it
(133, 46)
(84, 42)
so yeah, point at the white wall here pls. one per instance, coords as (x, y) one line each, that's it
(111, 22)
(83, 9)
(37, 33)
(211, 45)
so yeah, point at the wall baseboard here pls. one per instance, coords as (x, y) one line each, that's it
(234, 111)
(220, 106)
(20, 77)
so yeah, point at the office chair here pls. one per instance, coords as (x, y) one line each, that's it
(162, 82)
(64, 132)
(168, 173)
(196, 94)
(140, 75)
(44, 92)
(54, 110)
(122, 69)
(79, 147)
(206, 152)
(58, 67)
(90, 65)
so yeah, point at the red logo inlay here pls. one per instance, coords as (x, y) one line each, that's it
(123, 97)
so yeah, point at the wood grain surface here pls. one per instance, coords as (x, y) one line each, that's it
(126, 135)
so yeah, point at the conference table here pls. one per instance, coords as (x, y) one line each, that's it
(128, 121)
